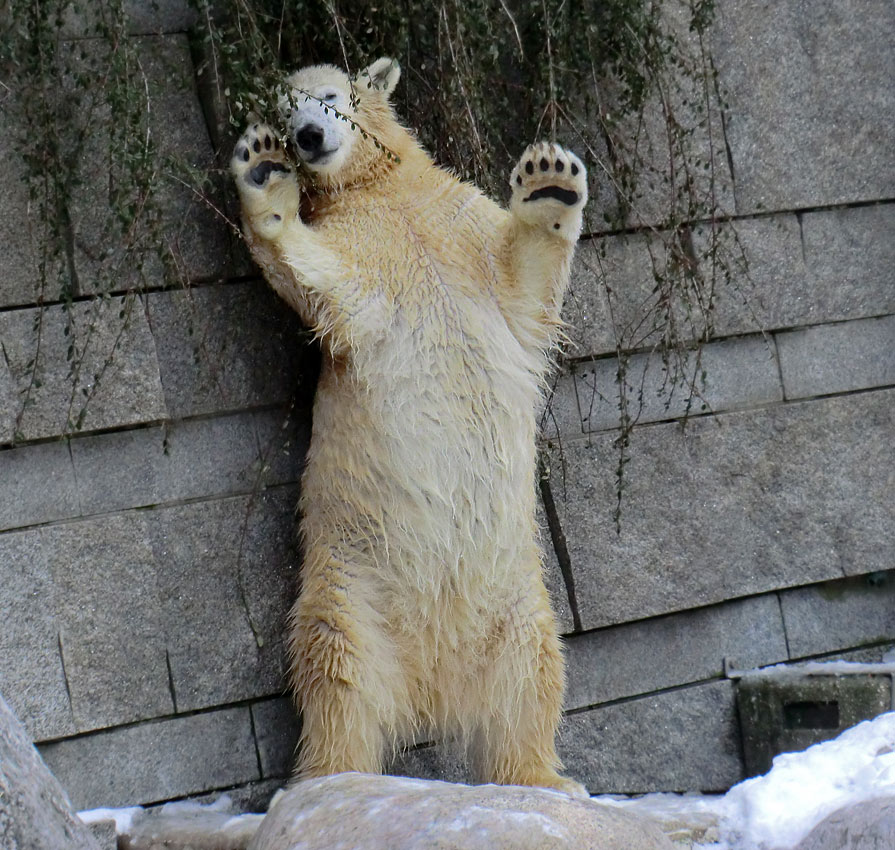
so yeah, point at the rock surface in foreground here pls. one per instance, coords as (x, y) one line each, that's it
(868, 826)
(34, 811)
(357, 810)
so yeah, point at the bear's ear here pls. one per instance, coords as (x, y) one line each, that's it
(382, 75)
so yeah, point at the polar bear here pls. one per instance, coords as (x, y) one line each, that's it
(422, 608)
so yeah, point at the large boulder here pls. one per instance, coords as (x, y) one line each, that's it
(866, 826)
(35, 813)
(358, 810)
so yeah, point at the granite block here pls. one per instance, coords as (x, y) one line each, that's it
(277, 728)
(728, 375)
(156, 761)
(32, 676)
(682, 740)
(664, 652)
(37, 484)
(732, 505)
(225, 348)
(88, 366)
(182, 460)
(841, 614)
(226, 584)
(809, 91)
(838, 358)
(108, 607)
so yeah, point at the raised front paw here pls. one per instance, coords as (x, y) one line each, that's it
(258, 156)
(266, 184)
(550, 188)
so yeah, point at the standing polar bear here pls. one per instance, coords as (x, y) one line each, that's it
(422, 606)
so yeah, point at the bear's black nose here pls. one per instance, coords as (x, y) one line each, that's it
(310, 138)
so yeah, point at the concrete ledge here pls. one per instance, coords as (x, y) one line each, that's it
(37, 484)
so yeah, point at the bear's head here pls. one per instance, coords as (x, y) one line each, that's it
(341, 128)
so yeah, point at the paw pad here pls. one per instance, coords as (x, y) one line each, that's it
(258, 157)
(550, 176)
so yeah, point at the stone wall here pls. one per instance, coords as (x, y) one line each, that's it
(148, 560)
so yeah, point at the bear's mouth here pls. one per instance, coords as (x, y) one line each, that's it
(318, 158)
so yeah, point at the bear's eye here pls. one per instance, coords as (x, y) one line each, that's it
(330, 97)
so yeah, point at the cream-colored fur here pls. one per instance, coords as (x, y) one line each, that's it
(422, 606)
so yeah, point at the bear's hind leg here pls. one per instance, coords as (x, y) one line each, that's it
(345, 679)
(516, 740)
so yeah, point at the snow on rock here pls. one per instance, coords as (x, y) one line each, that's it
(779, 809)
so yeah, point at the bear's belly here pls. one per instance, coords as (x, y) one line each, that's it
(421, 465)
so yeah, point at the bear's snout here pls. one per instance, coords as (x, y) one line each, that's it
(310, 138)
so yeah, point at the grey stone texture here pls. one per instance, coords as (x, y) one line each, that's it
(277, 728)
(142, 18)
(225, 348)
(681, 740)
(837, 358)
(34, 810)
(732, 505)
(37, 484)
(728, 375)
(155, 761)
(142, 467)
(869, 825)
(227, 581)
(650, 655)
(786, 270)
(89, 366)
(836, 615)
(810, 97)
(402, 814)
(190, 238)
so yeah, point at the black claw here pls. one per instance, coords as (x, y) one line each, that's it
(245, 154)
(560, 165)
(574, 169)
(544, 164)
(519, 179)
(256, 146)
(267, 142)
(529, 167)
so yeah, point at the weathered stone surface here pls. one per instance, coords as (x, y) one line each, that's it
(837, 358)
(276, 732)
(637, 658)
(111, 377)
(404, 813)
(866, 826)
(733, 505)
(683, 740)
(799, 269)
(31, 672)
(431, 761)
(34, 810)
(553, 577)
(849, 255)
(183, 460)
(191, 238)
(841, 614)
(37, 484)
(808, 101)
(737, 373)
(106, 598)
(283, 438)
(226, 579)
(160, 16)
(224, 348)
(161, 760)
